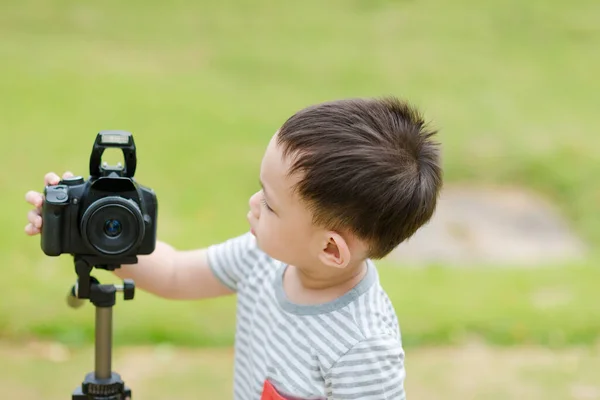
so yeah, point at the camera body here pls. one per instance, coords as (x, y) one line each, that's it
(110, 218)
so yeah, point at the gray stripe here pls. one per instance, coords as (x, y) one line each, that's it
(352, 373)
(239, 393)
(218, 271)
(244, 330)
(326, 326)
(347, 325)
(363, 316)
(298, 336)
(243, 259)
(298, 376)
(291, 350)
(259, 340)
(344, 312)
(399, 394)
(380, 358)
(257, 347)
(237, 257)
(384, 310)
(244, 306)
(395, 385)
(317, 376)
(377, 312)
(291, 374)
(385, 392)
(244, 322)
(363, 395)
(384, 348)
(292, 322)
(221, 263)
(250, 258)
(373, 313)
(294, 348)
(242, 338)
(244, 357)
(359, 384)
(260, 282)
(224, 278)
(324, 347)
(244, 380)
(262, 320)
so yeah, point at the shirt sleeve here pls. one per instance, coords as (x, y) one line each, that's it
(233, 260)
(372, 370)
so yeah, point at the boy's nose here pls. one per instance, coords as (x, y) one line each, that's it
(254, 204)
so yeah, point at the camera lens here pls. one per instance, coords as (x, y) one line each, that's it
(112, 227)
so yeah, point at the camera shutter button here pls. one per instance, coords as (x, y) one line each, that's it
(72, 181)
(61, 196)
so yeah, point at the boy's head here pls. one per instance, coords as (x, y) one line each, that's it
(344, 181)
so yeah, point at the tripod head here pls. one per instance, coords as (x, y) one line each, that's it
(101, 295)
(103, 383)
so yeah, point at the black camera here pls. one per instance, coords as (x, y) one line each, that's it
(108, 219)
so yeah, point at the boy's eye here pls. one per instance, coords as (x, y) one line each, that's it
(264, 203)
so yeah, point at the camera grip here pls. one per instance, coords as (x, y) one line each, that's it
(51, 232)
(56, 199)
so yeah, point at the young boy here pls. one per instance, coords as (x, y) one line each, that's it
(343, 183)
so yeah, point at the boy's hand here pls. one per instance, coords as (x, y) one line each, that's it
(36, 199)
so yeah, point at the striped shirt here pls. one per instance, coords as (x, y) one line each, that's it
(348, 348)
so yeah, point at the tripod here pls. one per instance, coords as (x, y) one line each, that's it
(103, 383)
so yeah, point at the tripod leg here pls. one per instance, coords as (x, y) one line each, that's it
(103, 383)
(103, 342)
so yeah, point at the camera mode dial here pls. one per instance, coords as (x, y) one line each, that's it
(57, 194)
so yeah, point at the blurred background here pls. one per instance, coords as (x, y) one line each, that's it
(497, 296)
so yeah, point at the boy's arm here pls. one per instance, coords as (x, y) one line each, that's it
(373, 369)
(195, 274)
(173, 274)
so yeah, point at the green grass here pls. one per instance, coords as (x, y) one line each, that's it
(555, 307)
(474, 372)
(202, 85)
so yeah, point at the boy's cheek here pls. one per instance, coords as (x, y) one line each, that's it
(267, 242)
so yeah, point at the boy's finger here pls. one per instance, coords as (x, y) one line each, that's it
(34, 198)
(51, 179)
(34, 218)
(31, 230)
(68, 174)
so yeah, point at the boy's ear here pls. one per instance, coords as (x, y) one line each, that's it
(335, 251)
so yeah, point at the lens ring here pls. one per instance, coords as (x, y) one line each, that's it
(118, 238)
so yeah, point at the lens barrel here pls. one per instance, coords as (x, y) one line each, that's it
(112, 225)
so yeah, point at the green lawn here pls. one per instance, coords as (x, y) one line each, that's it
(48, 371)
(555, 307)
(203, 85)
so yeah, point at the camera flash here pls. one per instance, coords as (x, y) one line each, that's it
(108, 138)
